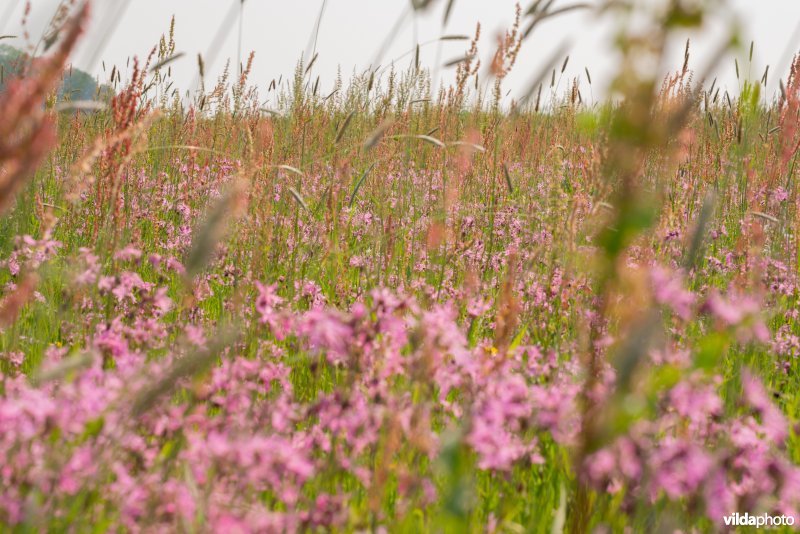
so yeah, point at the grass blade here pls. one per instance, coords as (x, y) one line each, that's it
(422, 137)
(508, 178)
(377, 134)
(299, 198)
(167, 61)
(343, 127)
(360, 183)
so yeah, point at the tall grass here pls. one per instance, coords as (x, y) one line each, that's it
(385, 307)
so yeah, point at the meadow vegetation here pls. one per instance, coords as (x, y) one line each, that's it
(388, 308)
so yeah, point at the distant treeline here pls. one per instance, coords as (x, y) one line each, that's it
(77, 84)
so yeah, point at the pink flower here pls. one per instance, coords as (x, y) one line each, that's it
(679, 467)
(16, 358)
(739, 311)
(195, 335)
(161, 301)
(267, 303)
(774, 423)
(476, 307)
(267, 300)
(128, 282)
(174, 265)
(668, 290)
(128, 253)
(780, 194)
(731, 312)
(327, 331)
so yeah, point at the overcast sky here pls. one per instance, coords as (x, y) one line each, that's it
(353, 31)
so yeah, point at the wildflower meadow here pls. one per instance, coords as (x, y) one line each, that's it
(385, 307)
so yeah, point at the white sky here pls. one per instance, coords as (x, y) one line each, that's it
(352, 32)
